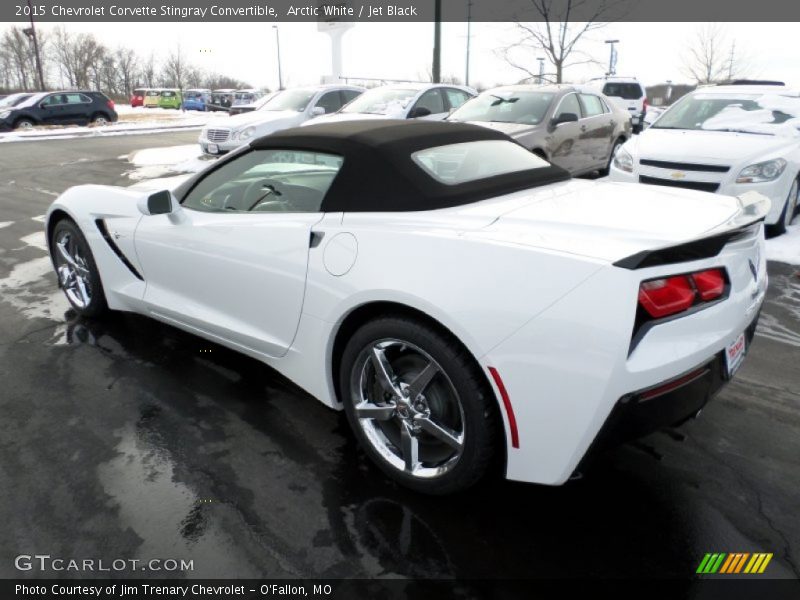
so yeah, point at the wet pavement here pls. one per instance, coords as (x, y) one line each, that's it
(125, 438)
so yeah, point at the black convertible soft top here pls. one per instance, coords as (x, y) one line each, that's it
(378, 173)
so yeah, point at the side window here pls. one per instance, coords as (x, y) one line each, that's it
(456, 98)
(267, 181)
(432, 100)
(331, 102)
(592, 106)
(569, 104)
(77, 99)
(54, 100)
(348, 95)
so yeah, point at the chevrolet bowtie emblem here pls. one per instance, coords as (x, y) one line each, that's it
(677, 174)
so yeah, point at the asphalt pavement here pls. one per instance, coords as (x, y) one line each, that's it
(126, 438)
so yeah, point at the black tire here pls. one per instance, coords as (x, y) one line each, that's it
(97, 304)
(23, 124)
(100, 119)
(614, 149)
(479, 418)
(779, 228)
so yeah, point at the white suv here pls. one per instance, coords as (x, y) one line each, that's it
(627, 93)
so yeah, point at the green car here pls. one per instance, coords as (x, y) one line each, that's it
(170, 99)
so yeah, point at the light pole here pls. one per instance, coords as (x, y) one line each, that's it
(612, 58)
(31, 33)
(541, 70)
(469, 39)
(437, 41)
(278, 42)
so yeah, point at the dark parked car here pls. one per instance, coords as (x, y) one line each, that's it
(59, 108)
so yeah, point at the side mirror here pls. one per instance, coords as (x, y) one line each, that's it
(159, 203)
(420, 111)
(563, 118)
(318, 110)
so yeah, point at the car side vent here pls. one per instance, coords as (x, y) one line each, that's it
(101, 226)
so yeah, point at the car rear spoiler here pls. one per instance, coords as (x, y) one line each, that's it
(753, 208)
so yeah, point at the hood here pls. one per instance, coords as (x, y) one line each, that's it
(609, 221)
(258, 117)
(711, 147)
(513, 130)
(340, 117)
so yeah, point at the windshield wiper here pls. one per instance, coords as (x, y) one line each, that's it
(500, 100)
(728, 130)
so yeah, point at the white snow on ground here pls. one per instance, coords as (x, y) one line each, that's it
(785, 248)
(157, 162)
(6, 224)
(132, 121)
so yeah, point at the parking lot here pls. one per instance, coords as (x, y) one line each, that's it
(125, 438)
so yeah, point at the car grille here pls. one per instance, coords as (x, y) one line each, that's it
(218, 135)
(702, 186)
(682, 166)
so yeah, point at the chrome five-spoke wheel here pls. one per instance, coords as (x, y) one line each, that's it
(73, 272)
(75, 268)
(408, 408)
(419, 404)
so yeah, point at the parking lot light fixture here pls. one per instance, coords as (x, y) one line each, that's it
(278, 43)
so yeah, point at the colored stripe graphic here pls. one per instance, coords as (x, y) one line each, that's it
(722, 563)
(711, 563)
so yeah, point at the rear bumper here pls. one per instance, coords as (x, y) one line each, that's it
(667, 404)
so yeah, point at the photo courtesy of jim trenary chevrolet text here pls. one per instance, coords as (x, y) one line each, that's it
(346, 299)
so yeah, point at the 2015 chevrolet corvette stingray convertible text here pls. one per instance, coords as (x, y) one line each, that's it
(464, 301)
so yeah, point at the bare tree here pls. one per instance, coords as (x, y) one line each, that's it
(559, 28)
(148, 71)
(127, 64)
(18, 58)
(174, 71)
(79, 58)
(711, 58)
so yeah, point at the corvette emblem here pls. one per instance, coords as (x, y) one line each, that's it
(677, 174)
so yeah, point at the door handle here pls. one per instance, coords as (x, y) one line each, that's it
(583, 127)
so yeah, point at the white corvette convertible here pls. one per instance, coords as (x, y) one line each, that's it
(465, 302)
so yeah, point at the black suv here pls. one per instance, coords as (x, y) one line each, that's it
(59, 108)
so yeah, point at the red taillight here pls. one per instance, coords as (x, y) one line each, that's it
(664, 297)
(710, 284)
(672, 295)
(645, 104)
(110, 104)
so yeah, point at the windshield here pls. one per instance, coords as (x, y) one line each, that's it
(506, 106)
(295, 100)
(193, 94)
(626, 91)
(765, 114)
(381, 101)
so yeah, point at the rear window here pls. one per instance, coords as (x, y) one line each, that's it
(470, 161)
(626, 91)
(138, 92)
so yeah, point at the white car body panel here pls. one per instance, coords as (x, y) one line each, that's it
(264, 121)
(525, 281)
(734, 150)
(396, 110)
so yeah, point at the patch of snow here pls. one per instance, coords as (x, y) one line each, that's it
(157, 162)
(785, 248)
(6, 224)
(37, 240)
